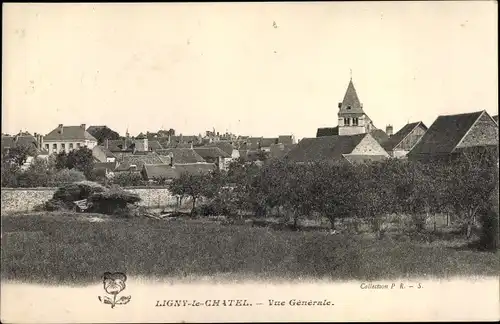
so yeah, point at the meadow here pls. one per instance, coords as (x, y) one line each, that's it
(68, 248)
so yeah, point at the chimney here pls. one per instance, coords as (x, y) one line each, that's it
(107, 143)
(83, 126)
(388, 130)
(171, 156)
(191, 145)
(60, 128)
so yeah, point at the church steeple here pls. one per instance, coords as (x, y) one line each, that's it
(351, 103)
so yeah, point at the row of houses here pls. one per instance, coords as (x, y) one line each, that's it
(354, 139)
(357, 139)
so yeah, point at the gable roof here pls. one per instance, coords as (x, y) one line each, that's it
(152, 171)
(66, 133)
(106, 151)
(285, 139)
(495, 118)
(351, 103)
(267, 142)
(105, 165)
(154, 145)
(23, 140)
(280, 150)
(140, 160)
(211, 152)
(224, 146)
(379, 135)
(397, 138)
(445, 134)
(327, 131)
(182, 155)
(324, 148)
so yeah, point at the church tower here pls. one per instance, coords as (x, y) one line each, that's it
(352, 119)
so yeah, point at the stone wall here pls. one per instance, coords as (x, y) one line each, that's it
(24, 199)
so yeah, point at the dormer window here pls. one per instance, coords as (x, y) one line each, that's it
(348, 107)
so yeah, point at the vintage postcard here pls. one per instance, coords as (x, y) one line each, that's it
(250, 162)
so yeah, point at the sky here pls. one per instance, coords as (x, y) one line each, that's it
(257, 69)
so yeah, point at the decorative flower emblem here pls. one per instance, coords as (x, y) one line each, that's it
(114, 283)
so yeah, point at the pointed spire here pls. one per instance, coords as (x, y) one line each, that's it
(351, 103)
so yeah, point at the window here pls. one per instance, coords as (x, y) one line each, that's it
(347, 121)
(63, 147)
(355, 121)
(78, 145)
(348, 107)
(47, 147)
(70, 146)
(54, 147)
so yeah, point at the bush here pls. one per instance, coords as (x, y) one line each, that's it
(65, 195)
(489, 236)
(127, 179)
(65, 176)
(114, 201)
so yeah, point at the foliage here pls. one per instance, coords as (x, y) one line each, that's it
(113, 201)
(19, 153)
(80, 159)
(10, 174)
(103, 134)
(127, 179)
(67, 176)
(68, 193)
(189, 185)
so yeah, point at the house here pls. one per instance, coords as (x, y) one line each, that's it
(154, 145)
(337, 148)
(286, 139)
(27, 140)
(67, 138)
(135, 162)
(280, 150)
(352, 119)
(214, 155)
(181, 155)
(265, 143)
(105, 169)
(103, 154)
(399, 144)
(451, 135)
(168, 171)
(227, 147)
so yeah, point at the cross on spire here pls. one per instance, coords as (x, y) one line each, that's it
(351, 73)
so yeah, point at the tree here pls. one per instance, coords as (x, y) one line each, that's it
(10, 174)
(19, 154)
(104, 133)
(190, 185)
(127, 179)
(37, 175)
(81, 159)
(469, 186)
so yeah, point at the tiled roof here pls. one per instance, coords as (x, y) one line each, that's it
(105, 165)
(76, 133)
(495, 118)
(154, 145)
(120, 145)
(211, 152)
(351, 103)
(395, 139)
(13, 141)
(364, 158)
(95, 128)
(327, 131)
(280, 150)
(140, 160)
(107, 152)
(166, 171)
(325, 148)
(224, 146)
(379, 135)
(285, 139)
(182, 155)
(445, 134)
(267, 142)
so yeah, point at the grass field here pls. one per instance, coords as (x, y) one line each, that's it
(61, 248)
